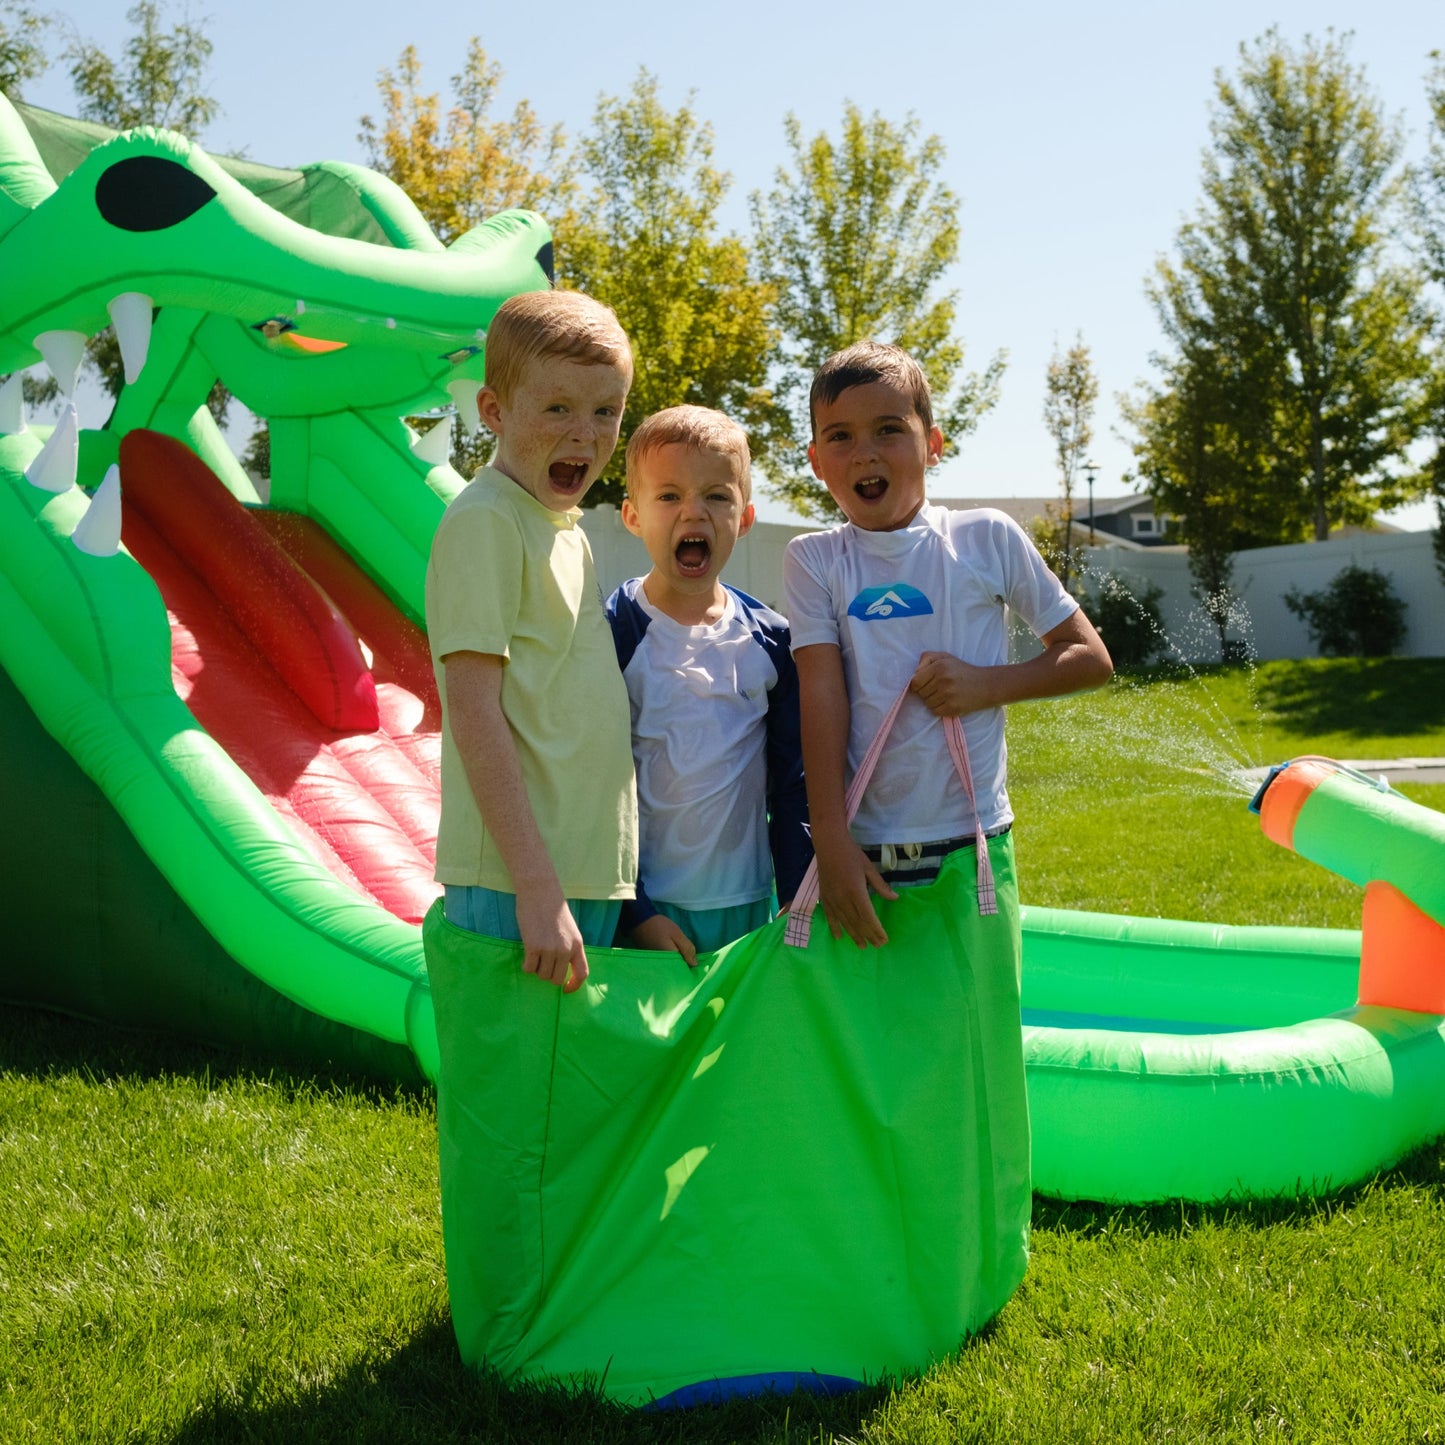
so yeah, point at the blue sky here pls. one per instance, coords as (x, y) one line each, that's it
(1074, 133)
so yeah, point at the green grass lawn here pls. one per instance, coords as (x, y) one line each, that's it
(195, 1248)
(1135, 800)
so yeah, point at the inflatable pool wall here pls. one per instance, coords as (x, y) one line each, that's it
(1205, 1062)
(225, 845)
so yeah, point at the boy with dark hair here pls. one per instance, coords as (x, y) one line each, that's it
(904, 595)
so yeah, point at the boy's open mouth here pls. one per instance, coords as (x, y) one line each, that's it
(567, 476)
(871, 488)
(693, 555)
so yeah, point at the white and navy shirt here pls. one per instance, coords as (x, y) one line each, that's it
(945, 583)
(715, 741)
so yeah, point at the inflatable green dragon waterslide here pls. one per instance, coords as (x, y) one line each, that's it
(219, 750)
(219, 729)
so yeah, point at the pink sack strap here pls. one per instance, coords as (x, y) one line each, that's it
(800, 915)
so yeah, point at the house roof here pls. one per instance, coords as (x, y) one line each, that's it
(1024, 509)
(1110, 506)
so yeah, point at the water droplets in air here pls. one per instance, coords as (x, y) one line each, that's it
(1167, 731)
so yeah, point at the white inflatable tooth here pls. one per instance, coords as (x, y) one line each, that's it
(435, 446)
(12, 406)
(98, 531)
(464, 394)
(130, 312)
(63, 352)
(53, 469)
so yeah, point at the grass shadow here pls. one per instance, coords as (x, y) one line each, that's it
(424, 1393)
(1422, 1169)
(1358, 697)
(43, 1044)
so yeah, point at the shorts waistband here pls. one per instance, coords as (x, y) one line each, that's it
(920, 862)
(932, 850)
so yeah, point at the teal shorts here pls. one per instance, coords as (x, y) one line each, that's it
(484, 910)
(710, 928)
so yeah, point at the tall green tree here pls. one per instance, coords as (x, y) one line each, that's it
(1286, 271)
(23, 58)
(1070, 392)
(158, 80)
(463, 165)
(22, 46)
(1204, 442)
(1428, 196)
(647, 243)
(856, 236)
(1207, 443)
(1428, 178)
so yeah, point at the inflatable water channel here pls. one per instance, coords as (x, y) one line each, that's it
(219, 740)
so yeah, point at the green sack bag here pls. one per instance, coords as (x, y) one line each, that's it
(784, 1164)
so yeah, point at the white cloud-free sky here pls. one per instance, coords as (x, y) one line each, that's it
(1074, 133)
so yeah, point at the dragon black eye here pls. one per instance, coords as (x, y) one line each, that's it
(544, 260)
(149, 193)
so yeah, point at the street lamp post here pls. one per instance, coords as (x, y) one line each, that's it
(1089, 469)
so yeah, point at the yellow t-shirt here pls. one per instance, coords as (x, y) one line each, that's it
(513, 578)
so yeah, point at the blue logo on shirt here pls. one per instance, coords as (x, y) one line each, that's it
(874, 604)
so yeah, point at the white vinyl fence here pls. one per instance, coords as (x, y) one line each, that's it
(1261, 577)
(1264, 575)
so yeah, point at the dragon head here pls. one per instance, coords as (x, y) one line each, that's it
(319, 297)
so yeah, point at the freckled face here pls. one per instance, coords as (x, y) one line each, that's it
(871, 450)
(558, 428)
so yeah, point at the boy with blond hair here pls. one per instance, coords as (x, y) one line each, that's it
(714, 696)
(538, 830)
(907, 595)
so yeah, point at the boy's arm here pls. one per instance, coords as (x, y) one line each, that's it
(1074, 658)
(845, 872)
(483, 738)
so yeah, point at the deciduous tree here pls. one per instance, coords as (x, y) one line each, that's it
(1285, 274)
(158, 80)
(1428, 196)
(857, 236)
(1205, 437)
(22, 46)
(646, 242)
(1196, 468)
(462, 165)
(1070, 391)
